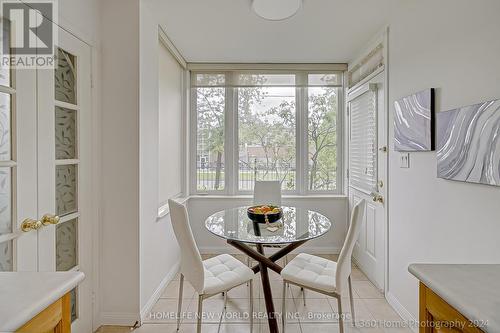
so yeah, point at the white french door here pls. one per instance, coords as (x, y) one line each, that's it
(367, 169)
(64, 170)
(45, 170)
(18, 168)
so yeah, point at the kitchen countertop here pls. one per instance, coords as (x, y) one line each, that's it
(23, 295)
(472, 289)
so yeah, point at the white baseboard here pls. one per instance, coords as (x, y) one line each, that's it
(159, 291)
(402, 311)
(231, 250)
(119, 319)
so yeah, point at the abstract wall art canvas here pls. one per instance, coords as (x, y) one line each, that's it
(414, 122)
(468, 143)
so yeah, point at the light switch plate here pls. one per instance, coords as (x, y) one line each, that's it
(404, 160)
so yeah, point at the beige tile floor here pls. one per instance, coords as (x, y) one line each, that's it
(317, 315)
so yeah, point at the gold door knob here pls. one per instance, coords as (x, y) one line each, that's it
(377, 198)
(30, 224)
(49, 219)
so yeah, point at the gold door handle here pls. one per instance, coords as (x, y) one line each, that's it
(30, 224)
(49, 219)
(377, 198)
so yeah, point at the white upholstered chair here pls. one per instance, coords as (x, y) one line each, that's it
(325, 276)
(267, 192)
(208, 277)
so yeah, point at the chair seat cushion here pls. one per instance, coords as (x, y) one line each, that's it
(311, 271)
(224, 272)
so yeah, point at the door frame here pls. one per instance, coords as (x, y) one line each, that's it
(95, 158)
(93, 215)
(382, 37)
(94, 163)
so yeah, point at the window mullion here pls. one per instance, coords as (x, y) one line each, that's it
(193, 141)
(341, 144)
(229, 136)
(235, 142)
(301, 133)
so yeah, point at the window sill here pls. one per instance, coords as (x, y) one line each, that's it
(163, 210)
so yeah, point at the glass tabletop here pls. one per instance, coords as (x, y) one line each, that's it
(297, 224)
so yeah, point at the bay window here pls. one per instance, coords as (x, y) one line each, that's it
(269, 125)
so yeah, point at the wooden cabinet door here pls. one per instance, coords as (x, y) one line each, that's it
(437, 316)
(54, 319)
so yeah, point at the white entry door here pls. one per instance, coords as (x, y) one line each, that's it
(45, 170)
(367, 170)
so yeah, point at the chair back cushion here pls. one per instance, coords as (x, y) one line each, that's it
(191, 262)
(267, 192)
(344, 262)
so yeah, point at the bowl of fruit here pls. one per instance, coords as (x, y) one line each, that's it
(264, 213)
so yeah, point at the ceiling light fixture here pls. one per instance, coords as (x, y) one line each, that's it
(276, 10)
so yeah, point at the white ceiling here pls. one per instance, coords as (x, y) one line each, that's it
(228, 31)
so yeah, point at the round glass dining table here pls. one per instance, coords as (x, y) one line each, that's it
(297, 226)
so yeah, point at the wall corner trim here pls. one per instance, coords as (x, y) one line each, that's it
(159, 291)
(402, 311)
(167, 42)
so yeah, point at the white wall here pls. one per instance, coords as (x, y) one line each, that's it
(81, 17)
(454, 46)
(334, 208)
(120, 278)
(159, 253)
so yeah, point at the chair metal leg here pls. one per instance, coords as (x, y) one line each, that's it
(179, 304)
(303, 295)
(200, 314)
(341, 319)
(225, 300)
(250, 296)
(351, 301)
(283, 308)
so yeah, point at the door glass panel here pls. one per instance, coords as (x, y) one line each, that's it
(5, 201)
(6, 256)
(5, 70)
(6, 247)
(66, 138)
(65, 133)
(66, 189)
(65, 77)
(5, 124)
(66, 245)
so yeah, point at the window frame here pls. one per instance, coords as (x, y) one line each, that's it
(231, 131)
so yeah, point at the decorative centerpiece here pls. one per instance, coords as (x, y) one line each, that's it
(264, 213)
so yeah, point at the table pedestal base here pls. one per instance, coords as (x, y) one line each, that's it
(266, 263)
